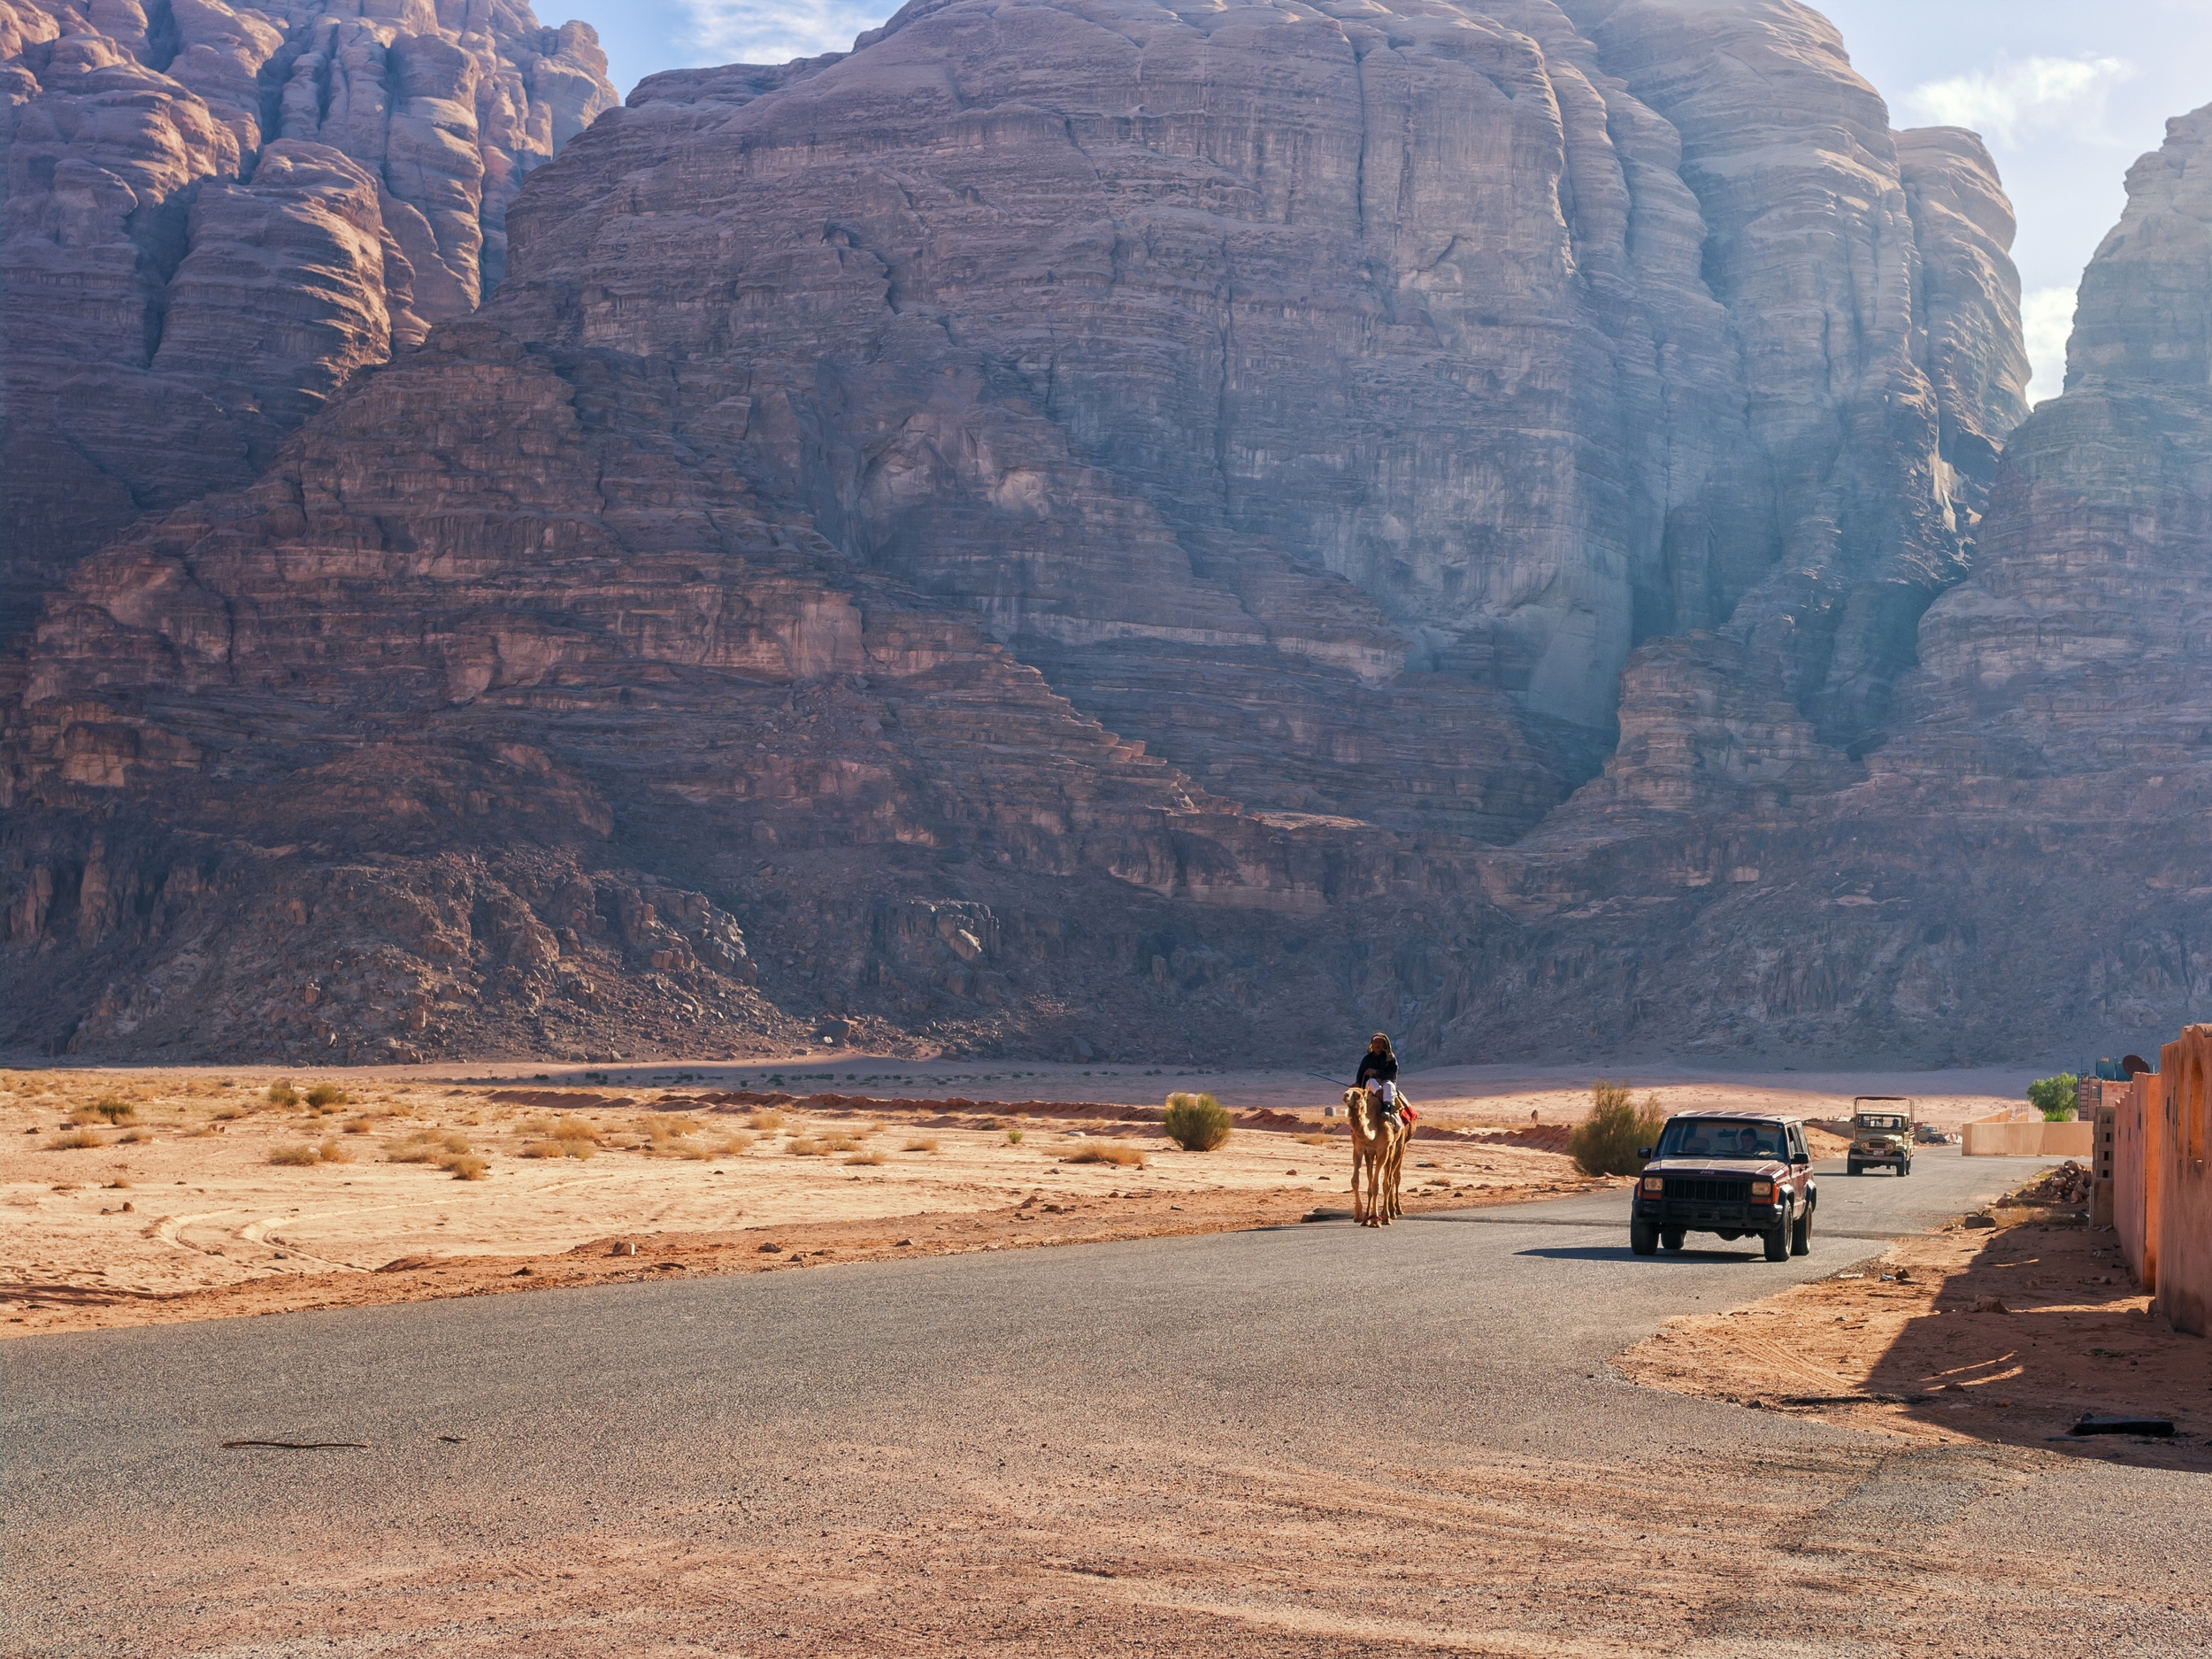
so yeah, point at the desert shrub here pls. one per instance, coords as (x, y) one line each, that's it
(282, 1095)
(74, 1141)
(334, 1152)
(803, 1147)
(356, 1125)
(573, 1129)
(673, 1126)
(113, 1109)
(2054, 1096)
(414, 1149)
(1313, 1141)
(298, 1157)
(540, 1149)
(136, 1136)
(466, 1168)
(735, 1143)
(325, 1095)
(455, 1143)
(580, 1149)
(840, 1143)
(765, 1120)
(1196, 1122)
(865, 1158)
(921, 1143)
(85, 1115)
(1127, 1157)
(1606, 1142)
(229, 1114)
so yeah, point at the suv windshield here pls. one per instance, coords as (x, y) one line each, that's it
(1721, 1138)
(1880, 1120)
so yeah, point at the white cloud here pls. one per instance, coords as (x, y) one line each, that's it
(2047, 317)
(776, 31)
(2015, 100)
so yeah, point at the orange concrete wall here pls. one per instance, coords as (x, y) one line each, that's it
(2185, 1198)
(2139, 1116)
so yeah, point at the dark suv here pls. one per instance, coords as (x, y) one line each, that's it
(1737, 1174)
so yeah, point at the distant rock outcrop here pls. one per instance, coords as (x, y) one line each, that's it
(216, 216)
(1142, 527)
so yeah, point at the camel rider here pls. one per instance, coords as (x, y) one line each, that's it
(1379, 1074)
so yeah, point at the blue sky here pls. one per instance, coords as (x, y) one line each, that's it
(2066, 92)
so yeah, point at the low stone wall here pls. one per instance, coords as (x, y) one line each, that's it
(2005, 1138)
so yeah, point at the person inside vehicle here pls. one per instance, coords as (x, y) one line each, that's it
(1379, 1074)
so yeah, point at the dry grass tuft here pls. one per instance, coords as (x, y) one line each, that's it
(540, 1149)
(356, 1125)
(326, 1094)
(1126, 1157)
(806, 1147)
(1013, 1137)
(136, 1136)
(84, 1115)
(765, 1120)
(733, 1144)
(921, 1143)
(565, 1128)
(229, 1114)
(297, 1157)
(282, 1095)
(336, 1152)
(865, 1158)
(467, 1168)
(1313, 1141)
(74, 1141)
(841, 1142)
(1196, 1122)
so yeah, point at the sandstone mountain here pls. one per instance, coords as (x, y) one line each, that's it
(217, 216)
(1098, 526)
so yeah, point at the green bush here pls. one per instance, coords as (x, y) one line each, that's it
(1196, 1122)
(1606, 1142)
(2054, 1096)
(326, 1094)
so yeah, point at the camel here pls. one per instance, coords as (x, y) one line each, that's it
(1378, 1144)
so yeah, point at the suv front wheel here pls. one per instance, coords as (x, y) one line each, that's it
(1777, 1243)
(1643, 1237)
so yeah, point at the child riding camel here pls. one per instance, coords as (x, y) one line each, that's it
(1379, 1073)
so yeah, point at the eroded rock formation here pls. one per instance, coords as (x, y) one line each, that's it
(1090, 522)
(216, 216)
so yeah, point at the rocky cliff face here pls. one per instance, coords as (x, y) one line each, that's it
(215, 217)
(1121, 525)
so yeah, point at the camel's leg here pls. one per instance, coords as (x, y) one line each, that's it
(1359, 1213)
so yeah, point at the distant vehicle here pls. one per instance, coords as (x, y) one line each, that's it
(1739, 1174)
(1881, 1135)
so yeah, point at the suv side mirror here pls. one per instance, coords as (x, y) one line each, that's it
(1644, 1153)
(1800, 1157)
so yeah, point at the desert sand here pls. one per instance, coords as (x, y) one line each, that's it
(136, 1196)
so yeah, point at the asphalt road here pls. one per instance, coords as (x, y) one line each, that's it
(1469, 1335)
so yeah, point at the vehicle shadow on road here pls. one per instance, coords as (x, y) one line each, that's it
(1622, 1253)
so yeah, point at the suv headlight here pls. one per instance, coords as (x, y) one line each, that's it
(1653, 1185)
(1763, 1192)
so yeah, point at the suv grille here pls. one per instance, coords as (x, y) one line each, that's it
(1707, 1192)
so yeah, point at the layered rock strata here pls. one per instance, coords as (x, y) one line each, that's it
(215, 217)
(1107, 524)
